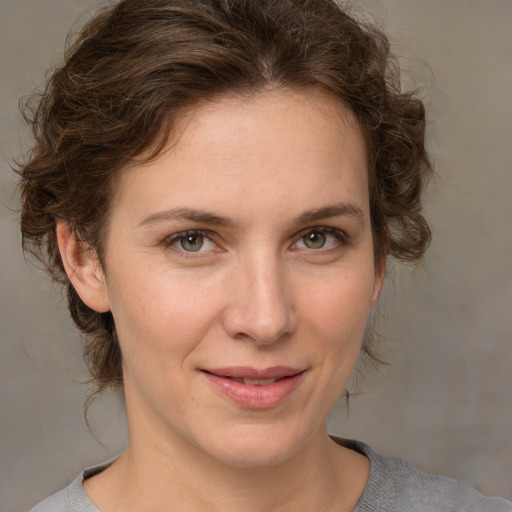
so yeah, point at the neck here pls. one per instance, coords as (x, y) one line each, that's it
(202, 480)
(157, 472)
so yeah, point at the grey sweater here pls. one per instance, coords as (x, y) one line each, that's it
(394, 485)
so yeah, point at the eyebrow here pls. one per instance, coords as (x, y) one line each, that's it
(190, 214)
(205, 217)
(336, 210)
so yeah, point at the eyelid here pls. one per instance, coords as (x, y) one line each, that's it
(342, 237)
(171, 240)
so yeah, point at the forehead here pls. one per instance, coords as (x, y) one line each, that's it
(237, 120)
(259, 149)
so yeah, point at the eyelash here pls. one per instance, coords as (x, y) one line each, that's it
(341, 236)
(173, 239)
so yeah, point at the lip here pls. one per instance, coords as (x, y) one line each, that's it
(254, 396)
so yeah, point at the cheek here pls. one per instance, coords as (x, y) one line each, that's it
(337, 315)
(159, 316)
(341, 305)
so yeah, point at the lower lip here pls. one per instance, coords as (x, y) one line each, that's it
(255, 397)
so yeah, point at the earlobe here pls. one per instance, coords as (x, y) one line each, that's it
(82, 268)
(380, 275)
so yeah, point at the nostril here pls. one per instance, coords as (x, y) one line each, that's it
(259, 308)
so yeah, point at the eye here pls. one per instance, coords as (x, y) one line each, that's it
(320, 238)
(314, 240)
(191, 241)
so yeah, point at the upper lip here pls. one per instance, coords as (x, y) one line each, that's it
(247, 372)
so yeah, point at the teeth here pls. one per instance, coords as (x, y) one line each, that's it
(259, 382)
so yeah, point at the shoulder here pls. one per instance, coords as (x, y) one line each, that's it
(427, 492)
(396, 485)
(73, 497)
(58, 502)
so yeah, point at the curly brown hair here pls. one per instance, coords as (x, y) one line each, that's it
(139, 63)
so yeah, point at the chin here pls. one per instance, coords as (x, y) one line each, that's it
(256, 446)
(253, 458)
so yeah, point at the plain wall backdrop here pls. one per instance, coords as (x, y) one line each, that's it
(445, 400)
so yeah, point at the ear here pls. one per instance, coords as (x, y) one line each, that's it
(378, 282)
(83, 269)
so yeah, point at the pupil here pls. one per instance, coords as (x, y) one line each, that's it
(192, 243)
(315, 240)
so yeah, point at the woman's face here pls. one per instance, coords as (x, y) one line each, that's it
(239, 271)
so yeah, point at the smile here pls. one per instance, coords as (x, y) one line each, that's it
(255, 382)
(254, 389)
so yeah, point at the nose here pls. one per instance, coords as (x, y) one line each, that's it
(260, 304)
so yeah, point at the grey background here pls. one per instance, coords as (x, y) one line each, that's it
(444, 402)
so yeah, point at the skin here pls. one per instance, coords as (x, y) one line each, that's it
(254, 294)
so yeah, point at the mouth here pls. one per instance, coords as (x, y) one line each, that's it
(248, 381)
(252, 388)
(256, 382)
(254, 377)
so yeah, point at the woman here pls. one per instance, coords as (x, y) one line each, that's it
(219, 184)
